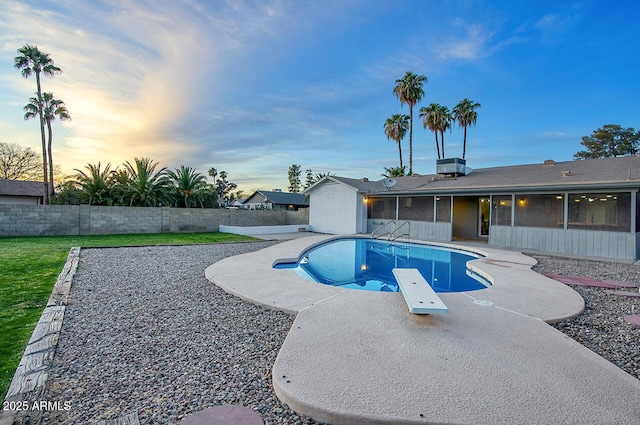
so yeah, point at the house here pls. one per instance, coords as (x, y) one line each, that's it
(276, 200)
(21, 192)
(587, 207)
(237, 203)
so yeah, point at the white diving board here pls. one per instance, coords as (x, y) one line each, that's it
(419, 295)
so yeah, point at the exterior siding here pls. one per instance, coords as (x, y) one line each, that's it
(420, 230)
(334, 209)
(618, 245)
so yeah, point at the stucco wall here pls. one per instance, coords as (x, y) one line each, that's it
(334, 209)
(31, 220)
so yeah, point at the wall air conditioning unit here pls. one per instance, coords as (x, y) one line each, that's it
(452, 167)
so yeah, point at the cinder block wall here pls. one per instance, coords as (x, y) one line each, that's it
(37, 220)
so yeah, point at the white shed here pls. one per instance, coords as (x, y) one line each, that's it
(337, 205)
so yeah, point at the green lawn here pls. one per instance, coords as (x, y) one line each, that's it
(29, 267)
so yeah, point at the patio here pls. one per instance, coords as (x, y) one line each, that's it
(361, 357)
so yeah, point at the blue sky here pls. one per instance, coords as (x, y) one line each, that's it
(252, 87)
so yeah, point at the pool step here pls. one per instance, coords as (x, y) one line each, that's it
(419, 295)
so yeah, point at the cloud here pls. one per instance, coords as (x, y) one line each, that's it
(133, 71)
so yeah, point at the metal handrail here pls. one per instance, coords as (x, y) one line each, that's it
(373, 234)
(407, 234)
(392, 235)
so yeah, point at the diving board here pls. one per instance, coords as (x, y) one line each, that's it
(419, 295)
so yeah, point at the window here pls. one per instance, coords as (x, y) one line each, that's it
(501, 214)
(600, 211)
(539, 210)
(419, 208)
(443, 209)
(382, 208)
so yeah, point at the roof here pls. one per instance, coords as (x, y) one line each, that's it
(21, 188)
(582, 174)
(281, 198)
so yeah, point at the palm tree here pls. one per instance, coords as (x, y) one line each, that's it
(213, 173)
(96, 185)
(394, 171)
(146, 187)
(32, 61)
(52, 108)
(429, 115)
(395, 128)
(190, 186)
(409, 90)
(464, 112)
(443, 121)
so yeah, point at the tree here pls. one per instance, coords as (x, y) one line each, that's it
(429, 120)
(224, 187)
(609, 141)
(190, 187)
(18, 163)
(409, 90)
(52, 108)
(96, 184)
(464, 113)
(32, 61)
(146, 187)
(394, 172)
(396, 128)
(319, 176)
(309, 179)
(213, 173)
(68, 193)
(443, 121)
(295, 171)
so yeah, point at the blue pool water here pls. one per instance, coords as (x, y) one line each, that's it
(367, 264)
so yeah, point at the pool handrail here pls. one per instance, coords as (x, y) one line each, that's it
(392, 235)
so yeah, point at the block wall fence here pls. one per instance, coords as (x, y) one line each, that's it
(41, 220)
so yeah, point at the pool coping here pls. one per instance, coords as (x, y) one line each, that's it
(494, 354)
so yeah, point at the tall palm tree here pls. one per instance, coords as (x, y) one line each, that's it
(213, 173)
(96, 184)
(409, 90)
(464, 113)
(443, 121)
(146, 187)
(32, 61)
(52, 108)
(190, 186)
(429, 115)
(395, 128)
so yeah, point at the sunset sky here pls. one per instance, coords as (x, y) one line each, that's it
(252, 87)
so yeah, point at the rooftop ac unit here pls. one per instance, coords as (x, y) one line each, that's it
(452, 166)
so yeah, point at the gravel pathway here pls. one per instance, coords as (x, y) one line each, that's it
(601, 327)
(146, 332)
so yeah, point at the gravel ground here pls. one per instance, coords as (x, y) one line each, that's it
(601, 327)
(146, 332)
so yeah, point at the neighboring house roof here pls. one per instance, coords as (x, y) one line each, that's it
(21, 188)
(582, 174)
(279, 198)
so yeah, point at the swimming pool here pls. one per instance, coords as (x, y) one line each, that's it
(367, 264)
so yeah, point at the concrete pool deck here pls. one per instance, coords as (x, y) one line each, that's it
(359, 357)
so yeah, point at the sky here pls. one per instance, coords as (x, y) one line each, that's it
(251, 87)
